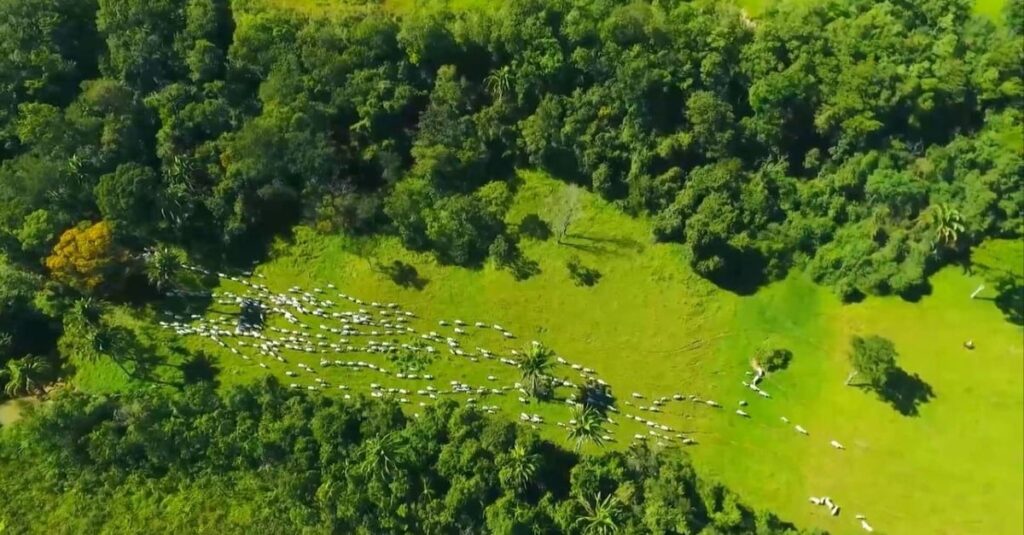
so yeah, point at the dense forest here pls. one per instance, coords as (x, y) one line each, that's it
(268, 459)
(869, 143)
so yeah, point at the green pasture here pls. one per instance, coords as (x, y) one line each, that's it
(943, 458)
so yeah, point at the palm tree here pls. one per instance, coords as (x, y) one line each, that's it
(586, 427)
(519, 468)
(947, 223)
(89, 310)
(163, 265)
(379, 456)
(600, 516)
(24, 375)
(535, 365)
(499, 82)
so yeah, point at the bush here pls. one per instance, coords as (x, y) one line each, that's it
(580, 274)
(504, 251)
(773, 359)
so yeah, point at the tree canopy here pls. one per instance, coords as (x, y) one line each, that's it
(873, 359)
(869, 143)
(267, 458)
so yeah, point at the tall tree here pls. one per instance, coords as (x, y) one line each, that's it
(163, 267)
(946, 224)
(535, 366)
(600, 515)
(873, 358)
(518, 468)
(585, 427)
(84, 256)
(24, 375)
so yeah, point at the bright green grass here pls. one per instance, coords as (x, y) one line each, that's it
(652, 326)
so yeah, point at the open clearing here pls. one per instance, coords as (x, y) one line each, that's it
(944, 458)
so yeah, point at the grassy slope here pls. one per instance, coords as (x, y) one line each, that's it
(651, 326)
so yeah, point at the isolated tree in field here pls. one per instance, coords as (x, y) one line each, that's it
(873, 358)
(534, 366)
(24, 375)
(163, 265)
(518, 468)
(585, 427)
(566, 210)
(84, 256)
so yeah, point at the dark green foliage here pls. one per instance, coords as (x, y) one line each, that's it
(532, 226)
(761, 147)
(268, 459)
(127, 198)
(873, 359)
(411, 361)
(582, 275)
(773, 359)
(505, 252)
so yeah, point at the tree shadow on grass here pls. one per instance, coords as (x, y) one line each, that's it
(744, 274)
(523, 268)
(600, 246)
(200, 368)
(404, 274)
(1009, 287)
(1009, 299)
(906, 392)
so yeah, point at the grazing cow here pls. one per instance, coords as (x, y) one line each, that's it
(837, 445)
(801, 430)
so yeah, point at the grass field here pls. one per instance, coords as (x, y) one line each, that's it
(950, 462)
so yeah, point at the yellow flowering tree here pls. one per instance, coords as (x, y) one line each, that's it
(83, 256)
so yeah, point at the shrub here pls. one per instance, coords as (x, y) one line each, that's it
(504, 251)
(773, 359)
